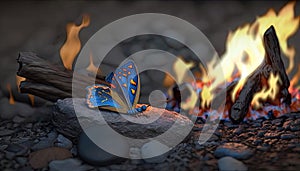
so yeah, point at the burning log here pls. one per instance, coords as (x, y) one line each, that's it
(47, 80)
(271, 64)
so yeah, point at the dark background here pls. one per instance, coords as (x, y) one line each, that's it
(40, 26)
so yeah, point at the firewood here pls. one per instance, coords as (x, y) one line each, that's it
(47, 80)
(272, 64)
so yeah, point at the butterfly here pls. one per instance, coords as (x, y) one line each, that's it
(122, 95)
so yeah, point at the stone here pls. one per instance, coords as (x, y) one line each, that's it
(91, 153)
(17, 148)
(63, 142)
(45, 143)
(287, 136)
(41, 158)
(150, 123)
(229, 163)
(6, 132)
(19, 119)
(68, 164)
(150, 150)
(21, 160)
(236, 150)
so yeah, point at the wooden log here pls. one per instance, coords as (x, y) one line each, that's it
(149, 124)
(271, 64)
(48, 80)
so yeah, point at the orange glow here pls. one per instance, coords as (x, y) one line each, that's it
(11, 98)
(18, 82)
(72, 45)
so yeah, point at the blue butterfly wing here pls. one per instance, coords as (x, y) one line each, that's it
(126, 82)
(101, 96)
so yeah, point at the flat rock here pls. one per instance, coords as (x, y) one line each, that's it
(68, 164)
(41, 158)
(236, 150)
(93, 154)
(148, 124)
(229, 163)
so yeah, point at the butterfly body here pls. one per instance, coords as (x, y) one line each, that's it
(123, 94)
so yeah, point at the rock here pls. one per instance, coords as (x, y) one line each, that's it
(92, 154)
(21, 160)
(45, 143)
(236, 150)
(287, 136)
(229, 163)
(271, 135)
(63, 142)
(150, 123)
(17, 148)
(6, 132)
(68, 164)
(150, 150)
(40, 159)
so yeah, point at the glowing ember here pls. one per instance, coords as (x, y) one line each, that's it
(11, 98)
(72, 45)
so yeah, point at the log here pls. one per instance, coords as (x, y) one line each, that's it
(155, 121)
(47, 80)
(272, 64)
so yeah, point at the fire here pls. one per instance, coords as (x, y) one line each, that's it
(18, 82)
(11, 97)
(271, 92)
(244, 53)
(92, 68)
(72, 45)
(244, 47)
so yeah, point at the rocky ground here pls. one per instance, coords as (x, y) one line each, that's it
(263, 144)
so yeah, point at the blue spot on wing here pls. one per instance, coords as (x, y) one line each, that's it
(99, 97)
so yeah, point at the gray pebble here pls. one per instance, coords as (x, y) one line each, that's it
(236, 150)
(68, 164)
(63, 142)
(229, 163)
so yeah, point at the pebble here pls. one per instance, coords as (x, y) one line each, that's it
(287, 136)
(63, 142)
(21, 160)
(89, 152)
(6, 132)
(154, 152)
(236, 150)
(70, 164)
(40, 158)
(229, 163)
(45, 143)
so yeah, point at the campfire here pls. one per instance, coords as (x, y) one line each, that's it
(254, 72)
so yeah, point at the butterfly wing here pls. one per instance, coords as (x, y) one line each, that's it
(126, 82)
(102, 97)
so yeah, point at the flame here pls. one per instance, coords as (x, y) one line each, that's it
(245, 50)
(18, 82)
(72, 45)
(271, 92)
(180, 67)
(92, 67)
(11, 97)
(244, 53)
